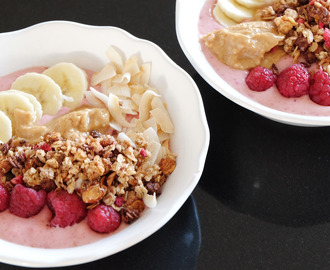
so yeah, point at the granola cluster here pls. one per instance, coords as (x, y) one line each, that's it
(97, 167)
(305, 25)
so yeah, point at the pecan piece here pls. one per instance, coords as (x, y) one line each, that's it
(4, 148)
(93, 193)
(167, 165)
(5, 166)
(130, 215)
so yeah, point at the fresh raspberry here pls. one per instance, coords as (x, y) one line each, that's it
(260, 79)
(103, 219)
(67, 209)
(293, 81)
(26, 202)
(4, 198)
(319, 90)
(326, 37)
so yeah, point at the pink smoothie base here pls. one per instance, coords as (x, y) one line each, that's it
(36, 231)
(236, 78)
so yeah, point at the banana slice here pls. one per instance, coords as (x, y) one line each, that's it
(6, 128)
(72, 80)
(222, 18)
(235, 11)
(9, 101)
(36, 104)
(46, 91)
(254, 3)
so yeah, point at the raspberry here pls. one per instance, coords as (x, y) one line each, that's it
(67, 209)
(293, 81)
(319, 90)
(4, 198)
(260, 79)
(103, 219)
(26, 202)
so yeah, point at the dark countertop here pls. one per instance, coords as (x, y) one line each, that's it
(263, 201)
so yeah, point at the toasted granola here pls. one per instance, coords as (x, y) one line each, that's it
(304, 24)
(97, 167)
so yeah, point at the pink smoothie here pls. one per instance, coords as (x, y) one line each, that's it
(236, 78)
(36, 231)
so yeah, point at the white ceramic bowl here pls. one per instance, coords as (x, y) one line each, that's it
(187, 17)
(51, 42)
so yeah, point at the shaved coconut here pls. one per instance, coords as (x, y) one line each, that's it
(157, 103)
(100, 95)
(136, 98)
(150, 135)
(163, 120)
(162, 136)
(150, 123)
(92, 100)
(105, 85)
(150, 200)
(154, 148)
(122, 90)
(106, 73)
(131, 66)
(161, 154)
(113, 124)
(122, 78)
(115, 58)
(166, 145)
(145, 104)
(146, 71)
(123, 137)
(128, 107)
(138, 89)
(115, 111)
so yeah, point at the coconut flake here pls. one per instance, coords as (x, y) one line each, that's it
(150, 200)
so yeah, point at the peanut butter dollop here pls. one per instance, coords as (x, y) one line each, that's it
(243, 46)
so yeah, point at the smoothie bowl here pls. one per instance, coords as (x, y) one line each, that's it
(226, 69)
(97, 151)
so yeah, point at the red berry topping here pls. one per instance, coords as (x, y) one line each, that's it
(260, 79)
(26, 202)
(119, 201)
(103, 219)
(46, 147)
(319, 90)
(17, 180)
(293, 81)
(67, 209)
(326, 37)
(143, 152)
(4, 198)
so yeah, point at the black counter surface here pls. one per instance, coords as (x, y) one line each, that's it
(263, 201)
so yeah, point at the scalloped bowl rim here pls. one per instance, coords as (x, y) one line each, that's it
(196, 155)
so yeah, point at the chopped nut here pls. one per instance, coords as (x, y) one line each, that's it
(167, 165)
(94, 193)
